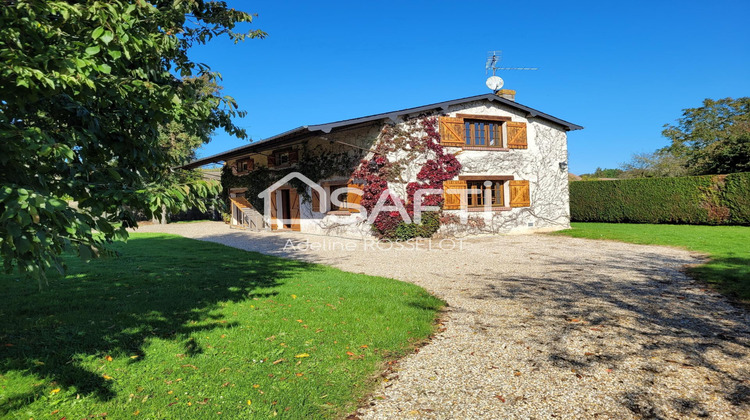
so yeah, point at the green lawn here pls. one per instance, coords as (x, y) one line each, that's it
(727, 246)
(177, 328)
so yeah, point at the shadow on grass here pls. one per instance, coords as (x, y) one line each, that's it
(731, 275)
(161, 287)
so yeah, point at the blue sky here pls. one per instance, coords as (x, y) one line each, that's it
(620, 69)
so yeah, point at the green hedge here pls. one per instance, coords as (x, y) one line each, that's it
(699, 200)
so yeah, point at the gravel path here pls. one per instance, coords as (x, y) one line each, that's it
(542, 326)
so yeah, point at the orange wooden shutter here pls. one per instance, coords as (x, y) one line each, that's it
(452, 132)
(315, 200)
(274, 223)
(452, 201)
(293, 156)
(294, 211)
(517, 135)
(352, 198)
(271, 160)
(520, 195)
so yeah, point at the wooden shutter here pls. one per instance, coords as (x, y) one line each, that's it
(294, 211)
(293, 156)
(520, 195)
(517, 135)
(271, 160)
(452, 201)
(452, 132)
(352, 198)
(249, 162)
(274, 222)
(315, 200)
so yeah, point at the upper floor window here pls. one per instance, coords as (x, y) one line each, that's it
(482, 131)
(282, 158)
(243, 166)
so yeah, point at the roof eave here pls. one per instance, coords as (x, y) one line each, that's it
(394, 116)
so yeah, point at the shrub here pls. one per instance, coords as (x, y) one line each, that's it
(679, 200)
(736, 195)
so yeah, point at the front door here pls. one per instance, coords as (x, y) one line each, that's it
(285, 209)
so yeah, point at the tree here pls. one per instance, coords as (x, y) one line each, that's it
(177, 140)
(661, 163)
(714, 138)
(602, 173)
(86, 87)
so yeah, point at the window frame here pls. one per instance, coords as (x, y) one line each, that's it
(469, 122)
(333, 187)
(476, 200)
(243, 166)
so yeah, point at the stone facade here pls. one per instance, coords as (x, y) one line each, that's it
(543, 164)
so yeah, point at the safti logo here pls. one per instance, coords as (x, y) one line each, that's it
(270, 204)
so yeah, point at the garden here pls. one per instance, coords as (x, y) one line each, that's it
(178, 328)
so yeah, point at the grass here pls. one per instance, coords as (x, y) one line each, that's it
(177, 328)
(727, 246)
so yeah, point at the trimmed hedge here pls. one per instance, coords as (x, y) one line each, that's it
(736, 195)
(696, 200)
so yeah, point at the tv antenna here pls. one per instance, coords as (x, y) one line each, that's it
(494, 82)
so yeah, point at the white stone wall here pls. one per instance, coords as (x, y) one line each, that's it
(539, 164)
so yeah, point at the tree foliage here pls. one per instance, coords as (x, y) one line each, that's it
(711, 139)
(659, 164)
(86, 89)
(602, 173)
(179, 140)
(714, 138)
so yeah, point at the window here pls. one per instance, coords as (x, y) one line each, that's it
(282, 158)
(472, 191)
(244, 165)
(483, 133)
(478, 191)
(342, 197)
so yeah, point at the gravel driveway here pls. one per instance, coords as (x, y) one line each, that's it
(543, 326)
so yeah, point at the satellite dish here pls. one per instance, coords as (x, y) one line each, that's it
(495, 83)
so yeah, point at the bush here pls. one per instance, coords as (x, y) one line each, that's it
(680, 200)
(737, 196)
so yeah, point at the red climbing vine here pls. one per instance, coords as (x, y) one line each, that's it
(405, 143)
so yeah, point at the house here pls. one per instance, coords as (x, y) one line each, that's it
(502, 167)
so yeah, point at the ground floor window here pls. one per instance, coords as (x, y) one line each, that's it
(342, 197)
(481, 191)
(476, 192)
